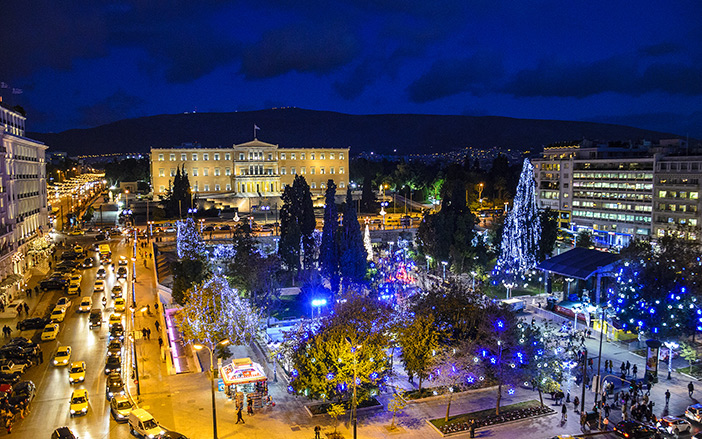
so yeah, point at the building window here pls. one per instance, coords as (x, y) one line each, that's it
(160, 157)
(321, 156)
(161, 188)
(195, 188)
(331, 170)
(227, 156)
(321, 185)
(194, 172)
(282, 156)
(206, 171)
(302, 170)
(331, 156)
(313, 185)
(183, 157)
(341, 184)
(173, 172)
(341, 169)
(205, 156)
(312, 155)
(194, 157)
(216, 156)
(172, 157)
(227, 171)
(341, 156)
(270, 156)
(207, 188)
(216, 172)
(216, 188)
(292, 171)
(251, 155)
(302, 156)
(292, 156)
(321, 171)
(312, 170)
(161, 172)
(283, 171)
(229, 187)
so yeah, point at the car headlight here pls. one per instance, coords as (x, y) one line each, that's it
(151, 436)
(85, 409)
(55, 362)
(73, 412)
(107, 370)
(109, 394)
(120, 416)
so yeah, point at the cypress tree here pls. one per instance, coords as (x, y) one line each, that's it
(352, 261)
(328, 252)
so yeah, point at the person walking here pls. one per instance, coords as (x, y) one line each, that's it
(26, 308)
(628, 368)
(576, 403)
(667, 396)
(623, 368)
(564, 413)
(471, 428)
(690, 389)
(157, 325)
(239, 417)
(634, 371)
(317, 430)
(160, 342)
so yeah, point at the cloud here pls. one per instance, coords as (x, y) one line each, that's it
(118, 106)
(665, 48)
(305, 48)
(617, 74)
(448, 77)
(676, 123)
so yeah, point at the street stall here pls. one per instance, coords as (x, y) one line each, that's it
(244, 378)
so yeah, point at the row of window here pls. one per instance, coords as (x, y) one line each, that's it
(253, 155)
(195, 172)
(676, 207)
(303, 170)
(679, 166)
(622, 186)
(612, 216)
(679, 194)
(249, 187)
(613, 206)
(680, 181)
(614, 175)
(613, 196)
(682, 221)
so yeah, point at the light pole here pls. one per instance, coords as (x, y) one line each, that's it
(428, 258)
(266, 209)
(212, 374)
(444, 264)
(599, 356)
(473, 273)
(382, 211)
(577, 309)
(353, 350)
(318, 303)
(670, 345)
(481, 186)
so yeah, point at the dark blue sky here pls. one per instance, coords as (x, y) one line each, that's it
(85, 63)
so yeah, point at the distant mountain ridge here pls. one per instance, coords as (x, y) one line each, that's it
(295, 127)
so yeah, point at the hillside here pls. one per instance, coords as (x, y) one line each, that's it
(408, 133)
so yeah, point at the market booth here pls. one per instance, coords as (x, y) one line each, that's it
(242, 377)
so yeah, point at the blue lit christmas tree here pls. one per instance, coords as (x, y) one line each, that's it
(520, 239)
(189, 241)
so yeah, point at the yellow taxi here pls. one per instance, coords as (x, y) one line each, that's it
(114, 318)
(76, 374)
(119, 304)
(62, 356)
(58, 314)
(50, 332)
(79, 402)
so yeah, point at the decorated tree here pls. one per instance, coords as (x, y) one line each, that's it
(329, 249)
(522, 229)
(419, 338)
(456, 309)
(192, 266)
(367, 244)
(352, 260)
(189, 243)
(449, 370)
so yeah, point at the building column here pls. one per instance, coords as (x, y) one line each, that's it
(598, 281)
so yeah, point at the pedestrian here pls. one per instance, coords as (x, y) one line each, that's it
(249, 408)
(160, 342)
(143, 333)
(667, 396)
(605, 422)
(26, 308)
(564, 413)
(628, 368)
(156, 306)
(41, 356)
(634, 371)
(623, 367)
(148, 334)
(472, 429)
(239, 418)
(157, 325)
(576, 403)
(606, 411)
(690, 389)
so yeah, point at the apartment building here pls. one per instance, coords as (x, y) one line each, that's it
(252, 170)
(611, 190)
(23, 202)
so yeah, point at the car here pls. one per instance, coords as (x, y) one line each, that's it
(63, 433)
(123, 260)
(113, 364)
(117, 332)
(23, 393)
(79, 402)
(73, 289)
(9, 378)
(63, 302)
(86, 304)
(119, 304)
(58, 314)
(53, 283)
(101, 273)
(70, 263)
(122, 273)
(114, 348)
(208, 229)
(105, 259)
(32, 323)
(694, 413)
(76, 232)
(10, 367)
(114, 385)
(76, 278)
(115, 319)
(99, 285)
(50, 332)
(225, 227)
(143, 424)
(88, 263)
(116, 291)
(633, 430)
(70, 255)
(95, 318)
(76, 373)
(77, 248)
(62, 356)
(100, 237)
(170, 434)
(120, 406)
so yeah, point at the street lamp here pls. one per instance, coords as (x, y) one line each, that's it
(383, 205)
(577, 309)
(266, 209)
(444, 263)
(353, 350)
(318, 303)
(192, 210)
(670, 345)
(214, 406)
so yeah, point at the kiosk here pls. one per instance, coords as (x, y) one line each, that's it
(242, 377)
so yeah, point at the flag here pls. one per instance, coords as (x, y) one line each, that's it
(17, 91)
(4, 85)
(256, 127)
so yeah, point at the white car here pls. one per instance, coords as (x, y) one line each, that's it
(86, 304)
(673, 425)
(64, 302)
(694, 412)
(99, 285)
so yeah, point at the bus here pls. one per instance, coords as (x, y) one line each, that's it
(105, 251)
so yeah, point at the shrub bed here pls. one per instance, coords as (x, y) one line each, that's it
(428, 392)
(321, 409)
(485, 418)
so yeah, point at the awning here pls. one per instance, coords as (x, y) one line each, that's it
(10, 280)
(242, 371)
(579, 263)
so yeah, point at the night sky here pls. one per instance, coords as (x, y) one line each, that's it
(86, 63)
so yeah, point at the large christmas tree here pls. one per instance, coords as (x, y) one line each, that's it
(520, 239)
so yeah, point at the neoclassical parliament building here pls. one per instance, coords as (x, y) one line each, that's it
(249, 174)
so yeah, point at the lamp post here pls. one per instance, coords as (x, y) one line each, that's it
(444, 264)
(265, 209)
(577, 309)
(382, 212)
(670, 345)
(428, 258)
(318, 303)
(355, 367)
(212, 382)
(192, 211)
(473, 273)
(599, 356)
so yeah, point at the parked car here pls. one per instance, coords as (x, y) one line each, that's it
(53, 283)
(50, 332)
(23, 392)
(633, 430)
(169, 434)
(95, 318)
(113, 364)
(10, 367)
(76, 374)
(79, 402)
(9, 378)
(114, 348)
(32, 323)
(114, 385)
(86, 304)
(120, 406)
(63, 433)
(143, 424)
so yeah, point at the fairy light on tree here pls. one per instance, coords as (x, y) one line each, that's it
(189, 243)
(522, 230)
(367, 244)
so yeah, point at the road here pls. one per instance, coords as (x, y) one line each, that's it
(50, 408)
